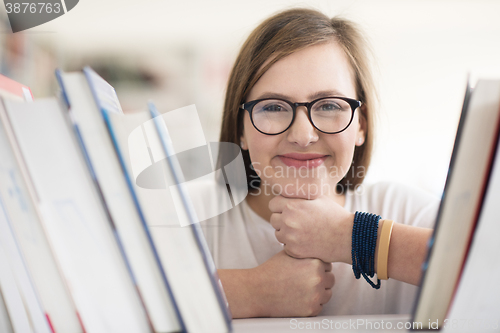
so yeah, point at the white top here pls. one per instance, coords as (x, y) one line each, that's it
(239, 239)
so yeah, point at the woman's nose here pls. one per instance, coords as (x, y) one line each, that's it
(302, 132)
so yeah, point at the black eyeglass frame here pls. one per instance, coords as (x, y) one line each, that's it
(354, 104)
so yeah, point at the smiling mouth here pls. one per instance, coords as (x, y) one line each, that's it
(303, 160)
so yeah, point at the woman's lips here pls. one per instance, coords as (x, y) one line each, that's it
(303, 160)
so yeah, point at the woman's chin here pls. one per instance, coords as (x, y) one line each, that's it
(300, 188)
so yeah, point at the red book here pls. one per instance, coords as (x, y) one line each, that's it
(12, 89)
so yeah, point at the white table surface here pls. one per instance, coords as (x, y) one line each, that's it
(375, 323)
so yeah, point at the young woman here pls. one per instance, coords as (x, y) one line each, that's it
(300, 102)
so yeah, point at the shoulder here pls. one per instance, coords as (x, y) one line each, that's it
(209, 197)
(399, 202)
(223, 226)
(381, 192)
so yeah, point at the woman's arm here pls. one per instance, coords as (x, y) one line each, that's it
(239, 287)
(321, 228)
(281, 287)
(407, 253)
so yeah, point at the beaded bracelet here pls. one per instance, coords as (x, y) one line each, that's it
(364, 240)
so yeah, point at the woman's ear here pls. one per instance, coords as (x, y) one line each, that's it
(243, 143)
(361, 135)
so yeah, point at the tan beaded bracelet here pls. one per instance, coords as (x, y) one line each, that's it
(383, 249)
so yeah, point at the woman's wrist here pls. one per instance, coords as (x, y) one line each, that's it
(256, 307)
(346, 247)
(364, 242)
(241, 289)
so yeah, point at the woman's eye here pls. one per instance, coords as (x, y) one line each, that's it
(329, 107)
(273, 108)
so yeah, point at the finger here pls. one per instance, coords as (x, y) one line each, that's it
(317, 311)
(329, 280)
(275, 221)
(327, 295)
(290, 252)
(328, 266)
(279, 236)
(277, 204)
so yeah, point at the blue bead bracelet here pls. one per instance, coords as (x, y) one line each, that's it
(364, 240)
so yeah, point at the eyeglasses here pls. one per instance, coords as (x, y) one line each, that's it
(273, 116)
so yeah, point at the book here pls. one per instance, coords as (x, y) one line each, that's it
(85, 95)
(13, 258)
(5, 324)
(14, 90)
(173, 175)
(470, 165)
(14, 304)
(186, 261)
(27, 228)
(476, 305)
(75, 219)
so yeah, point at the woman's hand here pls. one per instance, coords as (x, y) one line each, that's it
(321, 228)
(281, 287)
(318, 228)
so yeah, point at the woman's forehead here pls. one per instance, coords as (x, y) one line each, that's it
(308, 73)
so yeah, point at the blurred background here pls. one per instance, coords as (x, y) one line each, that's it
(178, 53)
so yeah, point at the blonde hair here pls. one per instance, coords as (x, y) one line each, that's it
(281, 35)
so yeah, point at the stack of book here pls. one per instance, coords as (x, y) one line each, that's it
(77, 251)
(459, 290)
(84, 249)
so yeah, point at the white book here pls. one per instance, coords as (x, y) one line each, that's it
(75, 220)
(188, 264)
(14, 259)
(14, 304)
(27, 228)
(466, 184)
(476, 305)
(124, 211)
(5, 325)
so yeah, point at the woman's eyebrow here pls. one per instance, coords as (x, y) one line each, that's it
(326, 93)
(316, 95)
(274, 95)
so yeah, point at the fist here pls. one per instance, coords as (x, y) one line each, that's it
(318, 228)
(290, 287)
